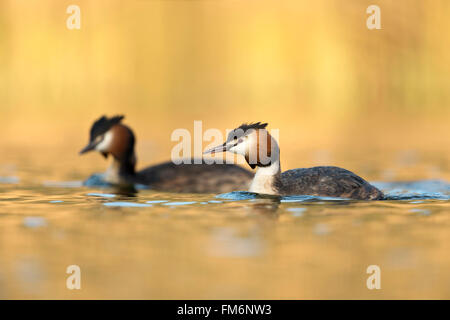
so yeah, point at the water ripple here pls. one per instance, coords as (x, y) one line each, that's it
(126, 204)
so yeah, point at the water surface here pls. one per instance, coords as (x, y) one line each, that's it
(235, 245)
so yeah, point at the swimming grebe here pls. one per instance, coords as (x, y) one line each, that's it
(261, 150)
(110, 136)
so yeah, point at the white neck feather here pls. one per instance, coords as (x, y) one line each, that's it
(112, 174)
(116, 174)
(264, 180)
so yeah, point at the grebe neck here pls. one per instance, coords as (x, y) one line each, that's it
(121, 171)
(266, 178)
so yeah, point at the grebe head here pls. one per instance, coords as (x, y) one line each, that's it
(110, 136)
(253, 142)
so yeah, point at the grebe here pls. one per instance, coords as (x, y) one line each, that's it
(261, 150)
(110, 137)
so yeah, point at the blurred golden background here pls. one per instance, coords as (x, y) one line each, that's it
(339, 93)
(376, 102)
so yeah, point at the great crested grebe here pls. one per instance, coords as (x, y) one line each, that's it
(261, 150)
(110, 137)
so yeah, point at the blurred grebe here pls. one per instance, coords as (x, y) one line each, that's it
(110, 137)
(261, 150)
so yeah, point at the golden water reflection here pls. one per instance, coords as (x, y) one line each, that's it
(160, 245)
